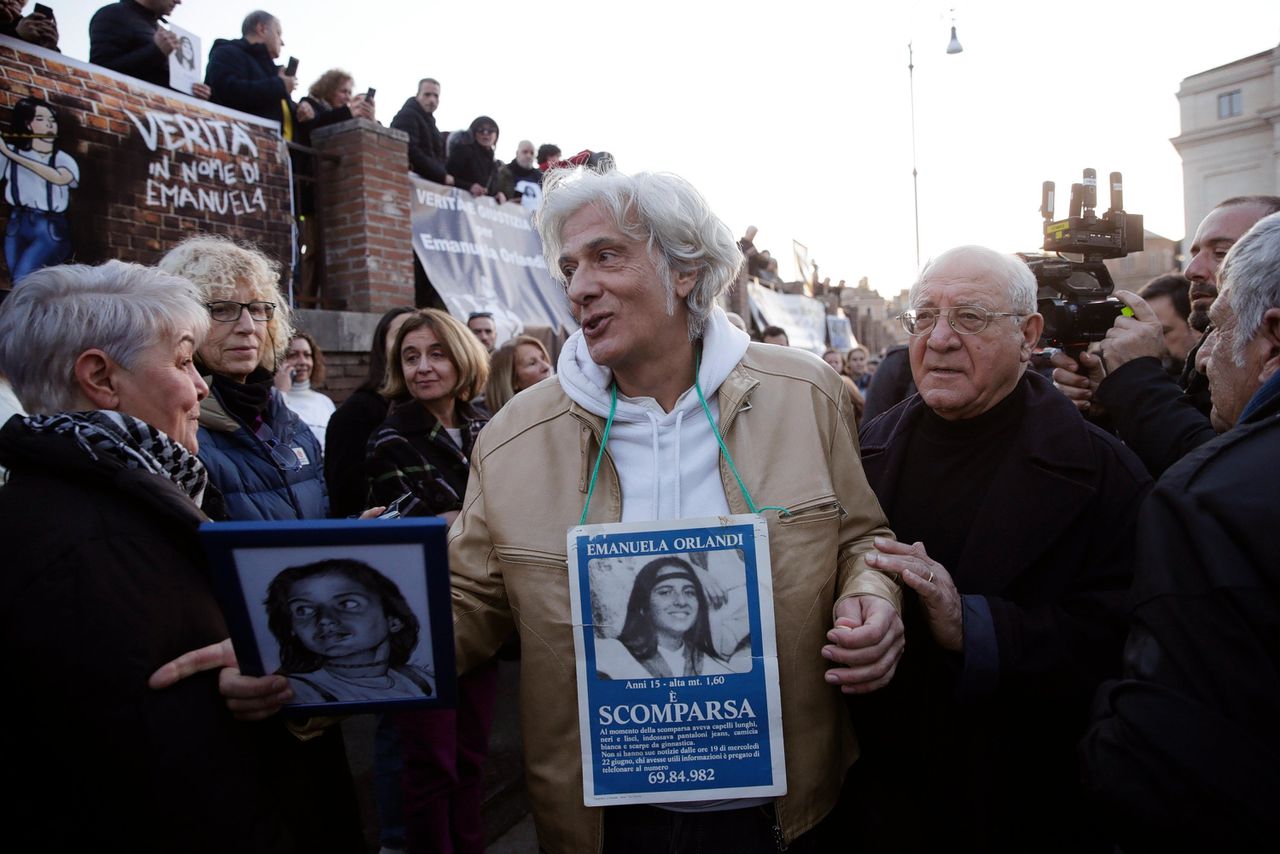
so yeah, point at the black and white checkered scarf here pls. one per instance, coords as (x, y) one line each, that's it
(130, 441)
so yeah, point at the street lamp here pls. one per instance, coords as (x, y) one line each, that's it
(952, 48)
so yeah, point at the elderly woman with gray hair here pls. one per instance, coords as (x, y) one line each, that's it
(103, 582)
(261, 456)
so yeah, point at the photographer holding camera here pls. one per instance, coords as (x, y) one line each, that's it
(1156, 415)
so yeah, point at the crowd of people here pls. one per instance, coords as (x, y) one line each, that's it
(1021, 600)
(961, 618)
(201, 408)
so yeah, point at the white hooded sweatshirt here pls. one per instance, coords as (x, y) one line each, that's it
(668, 462)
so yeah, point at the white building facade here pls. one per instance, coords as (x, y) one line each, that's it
(1230, 140)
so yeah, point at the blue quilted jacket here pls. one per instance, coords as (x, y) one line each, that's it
(254, 485)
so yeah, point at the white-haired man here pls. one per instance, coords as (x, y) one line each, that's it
(1019, 512)
(643, 259)
(1186, 753)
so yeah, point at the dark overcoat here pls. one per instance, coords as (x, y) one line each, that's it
(990, 763)
(1185, 753)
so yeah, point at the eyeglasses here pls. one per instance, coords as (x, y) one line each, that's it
(964, 319)
(227, 311)
(486, 130)
(281, 452)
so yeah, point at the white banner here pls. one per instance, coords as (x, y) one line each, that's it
(803, 318)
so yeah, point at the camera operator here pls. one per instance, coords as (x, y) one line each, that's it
(1183, 755)
(1157, 416)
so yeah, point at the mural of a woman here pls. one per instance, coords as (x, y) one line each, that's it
(667, 631)
(38, 180)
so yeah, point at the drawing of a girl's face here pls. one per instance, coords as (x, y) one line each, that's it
(340, 619)
(43, 127)
(44, 122)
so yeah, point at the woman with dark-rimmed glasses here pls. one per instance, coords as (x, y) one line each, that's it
(262, 458)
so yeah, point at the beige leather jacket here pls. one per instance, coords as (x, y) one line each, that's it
(786, 420)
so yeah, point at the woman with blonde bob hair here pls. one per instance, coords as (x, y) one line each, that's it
(516, 365)
(263, 459)
(419, 459)
(420, 453)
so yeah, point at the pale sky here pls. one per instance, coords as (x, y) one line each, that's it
(794, 116)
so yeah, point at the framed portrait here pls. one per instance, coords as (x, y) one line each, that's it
(356, 613)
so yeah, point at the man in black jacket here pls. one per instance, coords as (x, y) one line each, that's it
(127, 37)
(1185, 753)
(1018, 513)
(426, 146)
(521, 175)
(243, 74)
(1155, 415)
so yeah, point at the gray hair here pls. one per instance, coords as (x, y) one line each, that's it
(217, 265)
(1251, 281)
(58, 313)
(1008, 271)
(255, 19)
(659, 208)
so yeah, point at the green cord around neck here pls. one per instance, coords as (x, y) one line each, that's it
(697, 386)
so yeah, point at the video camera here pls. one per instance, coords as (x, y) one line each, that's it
(1075, 296)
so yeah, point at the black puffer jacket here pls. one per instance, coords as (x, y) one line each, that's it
(471, 163)
(122, 38)
(244, 77)
(426, 146)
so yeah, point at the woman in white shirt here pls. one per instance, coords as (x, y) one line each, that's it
(305, 363)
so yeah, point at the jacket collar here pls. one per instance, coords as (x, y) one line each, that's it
(412, 104)
(142, 11)
(409, 416)
(1265, 401)
(213, 416)
(1051, 455)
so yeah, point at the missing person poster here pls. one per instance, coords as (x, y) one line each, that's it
(677, 667)
(185, 60)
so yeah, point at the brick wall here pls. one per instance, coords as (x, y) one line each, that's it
(344, 373)
(364, 202)
(177, 167)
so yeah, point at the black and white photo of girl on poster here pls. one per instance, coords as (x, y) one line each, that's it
(38, 178)
(673, 604)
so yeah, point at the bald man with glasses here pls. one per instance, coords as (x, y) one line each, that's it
(1019, 514)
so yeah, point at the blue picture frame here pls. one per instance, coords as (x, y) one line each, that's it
(409, 554)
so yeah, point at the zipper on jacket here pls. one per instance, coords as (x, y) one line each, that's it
(813, 510)
(779, 841)
(518, 555)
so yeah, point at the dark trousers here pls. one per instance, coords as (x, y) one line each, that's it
(442, 782)
(644, 829)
